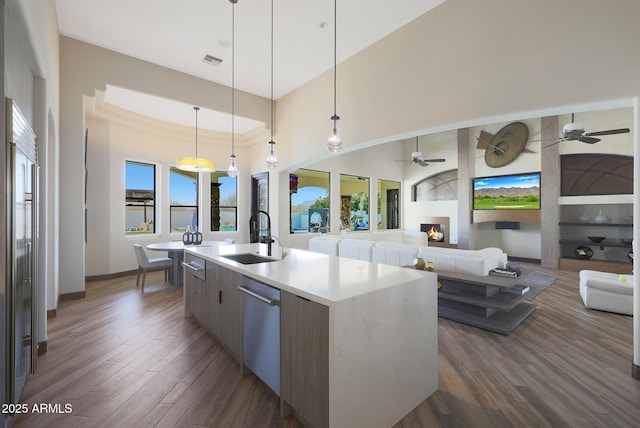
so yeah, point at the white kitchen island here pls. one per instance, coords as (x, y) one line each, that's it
(359, 340)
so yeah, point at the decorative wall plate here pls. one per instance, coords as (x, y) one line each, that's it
(506, 144)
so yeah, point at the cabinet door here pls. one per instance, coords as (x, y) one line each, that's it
(214, 280)
(194, 290)
(231, 312)
(304, 339)
(195, 298)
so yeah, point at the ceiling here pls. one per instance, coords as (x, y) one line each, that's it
(177, 34)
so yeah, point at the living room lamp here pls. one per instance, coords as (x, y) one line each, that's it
(232, 171)
(334, 144)
(272, 160)
(196, 164)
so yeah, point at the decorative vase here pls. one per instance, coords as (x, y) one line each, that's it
(600, 218)
(584, 218)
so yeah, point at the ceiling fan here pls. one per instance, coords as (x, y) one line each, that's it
(418, 158)
(575, 131)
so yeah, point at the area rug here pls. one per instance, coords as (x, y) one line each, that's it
(536, 282)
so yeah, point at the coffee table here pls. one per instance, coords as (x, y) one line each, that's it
(481, 302)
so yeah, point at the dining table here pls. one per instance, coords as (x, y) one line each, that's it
(175, 251)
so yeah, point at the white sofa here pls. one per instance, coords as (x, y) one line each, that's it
(474, 262)
(605, 291)
(355, 249)
(325, 244)
(391, 253)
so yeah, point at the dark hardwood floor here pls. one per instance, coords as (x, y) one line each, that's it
(124, 358)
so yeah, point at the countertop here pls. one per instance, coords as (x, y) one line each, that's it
(318, 277)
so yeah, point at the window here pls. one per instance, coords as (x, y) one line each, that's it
(309, 198)
(140, 198)
(224, 206)
(354, 202)
(388, 204)
(183, 194)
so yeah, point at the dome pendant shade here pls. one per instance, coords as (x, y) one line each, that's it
(196, 164)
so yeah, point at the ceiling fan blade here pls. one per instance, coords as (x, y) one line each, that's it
(432, 160)
(609, 132)
(588, 140)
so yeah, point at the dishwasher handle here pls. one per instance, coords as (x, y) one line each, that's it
(270, 302)
(194, 267)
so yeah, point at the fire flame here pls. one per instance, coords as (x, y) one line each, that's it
(434, 234)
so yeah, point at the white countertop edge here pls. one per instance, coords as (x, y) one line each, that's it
(318, 277)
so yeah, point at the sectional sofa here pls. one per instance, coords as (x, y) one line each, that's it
(405, 248)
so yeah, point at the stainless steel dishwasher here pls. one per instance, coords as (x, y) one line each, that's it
(261, 331)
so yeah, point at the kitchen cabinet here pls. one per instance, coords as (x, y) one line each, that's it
(358, 341)
(229, 310)
(195, 302)
(304, 338)
(211, 296)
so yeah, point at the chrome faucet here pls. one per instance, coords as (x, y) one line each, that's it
(283, 253)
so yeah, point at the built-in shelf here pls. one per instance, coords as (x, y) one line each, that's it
(600, 244)
(579, 223)
(524, 216)
(610, 254)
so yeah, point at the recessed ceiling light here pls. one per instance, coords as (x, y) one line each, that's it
(322, 25)
(210, 59)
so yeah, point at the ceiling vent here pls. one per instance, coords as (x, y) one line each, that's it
(210, 59)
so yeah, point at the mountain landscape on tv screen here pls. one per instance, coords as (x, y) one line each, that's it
(496, 198)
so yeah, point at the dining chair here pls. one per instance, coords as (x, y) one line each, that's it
(146, 264)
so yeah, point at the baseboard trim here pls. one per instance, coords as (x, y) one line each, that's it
(52, 313)
(110, 275)
(635, 371)
(43, 347)
(72, 296)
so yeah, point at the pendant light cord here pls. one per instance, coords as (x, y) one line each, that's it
(233, 76)
(196, 109)
(272, 119)
(335, 55)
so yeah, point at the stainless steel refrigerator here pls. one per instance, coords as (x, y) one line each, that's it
(18, 291)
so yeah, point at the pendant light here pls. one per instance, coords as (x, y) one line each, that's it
(232, 171)
(196, 164)
(272, 160)
(334, 144)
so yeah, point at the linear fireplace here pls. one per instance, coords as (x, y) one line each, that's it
(437, 230)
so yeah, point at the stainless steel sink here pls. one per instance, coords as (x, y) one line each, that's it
(249, 258)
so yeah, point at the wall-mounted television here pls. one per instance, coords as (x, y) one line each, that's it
(507, 192)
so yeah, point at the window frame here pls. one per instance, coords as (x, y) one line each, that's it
(221, 174)
(173, 169)
(156, 216)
